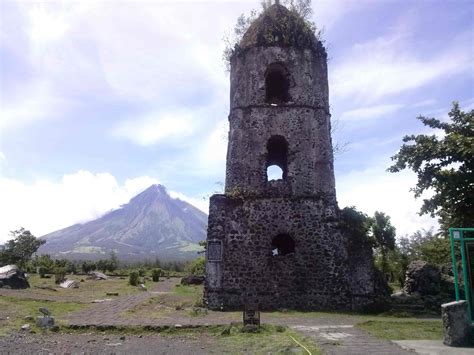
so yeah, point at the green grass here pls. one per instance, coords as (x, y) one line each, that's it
(13, 312)
(404, 329)
(88, 290)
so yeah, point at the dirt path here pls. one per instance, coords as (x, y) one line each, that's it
(105, 344)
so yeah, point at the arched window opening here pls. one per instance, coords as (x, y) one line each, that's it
(274, 172)
(277, 84)
(283, 244)
(277, 157)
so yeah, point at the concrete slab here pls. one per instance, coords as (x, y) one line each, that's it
(432, 347)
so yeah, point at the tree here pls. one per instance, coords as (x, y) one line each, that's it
(20, 248)
(383, 236)
(444, 165)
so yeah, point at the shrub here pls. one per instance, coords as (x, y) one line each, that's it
(155, 274)
(196, 267)
(141, 272)
(59, 275)
(134, 278)
(42, 271)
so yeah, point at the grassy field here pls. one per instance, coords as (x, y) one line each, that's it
(13, 312)
(15, 305)
(405, 329)
(88, 290)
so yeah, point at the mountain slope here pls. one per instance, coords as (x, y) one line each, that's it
(152, 225)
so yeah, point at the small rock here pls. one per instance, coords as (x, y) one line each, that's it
(45, 322)
(25, 327)
(140, 336)
(178, 325)
(28, 318)
(143, 287)
(122, 337)
(55, 328)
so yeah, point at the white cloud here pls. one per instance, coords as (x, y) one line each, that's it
(44, 206)
(201, 203)
(157, 127)
(36, 102)
(373, 189)
(371, 112)
(387, 66)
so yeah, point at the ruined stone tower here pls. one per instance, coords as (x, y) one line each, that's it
(279, 243)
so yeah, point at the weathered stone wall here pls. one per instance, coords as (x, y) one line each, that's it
(317, 276)
(307, 75)
(310, 166)
(312, 277)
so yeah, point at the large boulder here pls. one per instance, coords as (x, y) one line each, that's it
(12, 277)
(422, 278)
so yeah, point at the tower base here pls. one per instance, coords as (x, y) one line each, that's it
(285, 253)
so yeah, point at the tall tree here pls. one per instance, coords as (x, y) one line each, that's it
(383, 234)
(20, 248)
(444, 164)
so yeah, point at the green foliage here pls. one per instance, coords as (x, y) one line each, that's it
(141, 272)
(301, 8)
(59, 275)
(444, 165)
(377, 231)
(20, 248)
(44, 262)
(134, 278)
(383, 236)
(88, 266)
(196, 267)
(42, 271)
(427, 246)
(357, 224)
(155, 274)
(110, 264)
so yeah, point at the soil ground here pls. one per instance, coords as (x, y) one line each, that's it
(168, 318)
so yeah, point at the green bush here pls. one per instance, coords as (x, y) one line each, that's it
(155, 274)
(59, 275)
(134, 278)
(196, 267)
(141, 272)
(42, 271)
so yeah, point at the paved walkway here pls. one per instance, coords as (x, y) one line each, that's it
(346, 339)
(335, 335)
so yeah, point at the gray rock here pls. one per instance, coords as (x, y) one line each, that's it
(455, 323)
(12, 277)
(422, 278)
(45, 322)
(25, 327)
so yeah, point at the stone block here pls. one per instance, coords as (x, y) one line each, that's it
(456, 323)
(45, 322)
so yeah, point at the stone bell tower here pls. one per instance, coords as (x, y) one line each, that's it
(278, 242)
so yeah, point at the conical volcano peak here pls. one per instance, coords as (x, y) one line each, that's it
(278, 26)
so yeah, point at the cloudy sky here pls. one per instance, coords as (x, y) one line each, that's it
(100, 99)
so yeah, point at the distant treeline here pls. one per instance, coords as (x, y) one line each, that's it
(45, 264)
